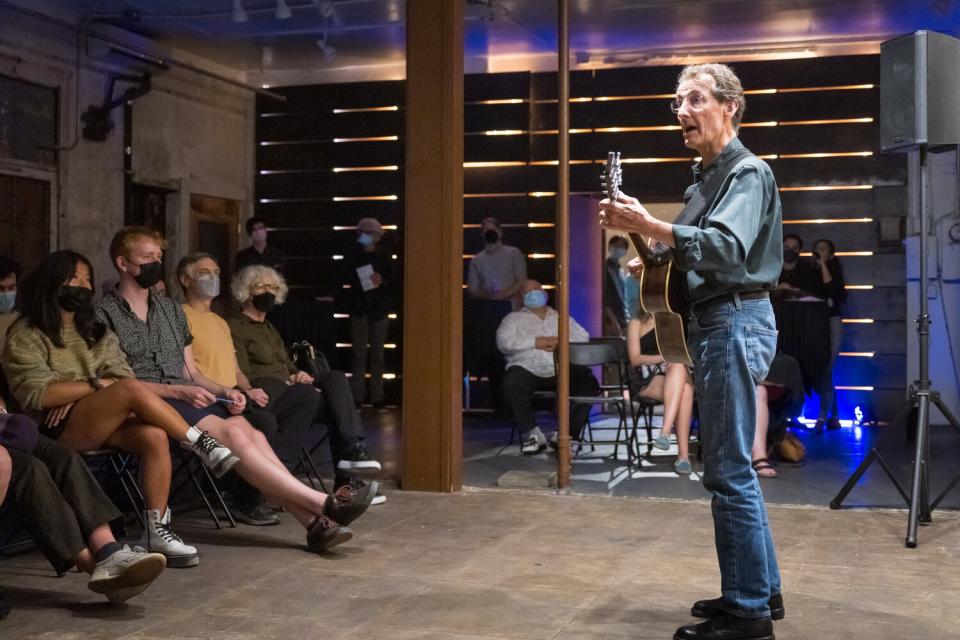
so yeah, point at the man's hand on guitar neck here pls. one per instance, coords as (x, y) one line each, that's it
(627, 214)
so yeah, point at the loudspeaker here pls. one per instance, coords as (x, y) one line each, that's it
(919, 91)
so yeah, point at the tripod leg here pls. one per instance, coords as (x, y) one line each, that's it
(898, 420)
(923, 420)
(952, 419)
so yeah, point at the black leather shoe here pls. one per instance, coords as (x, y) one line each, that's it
(724, 626)
(710, 608)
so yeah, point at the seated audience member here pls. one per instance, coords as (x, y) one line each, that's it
(66, 369)
(9, 275)
(259, 252)
(155, 336)
(282, 409)
(68, 515)
(761, 464)
(831, 273)
(527, 338)
(499, 271)
(780, 396)
(666, 382)
(199, 277)
(296, 399)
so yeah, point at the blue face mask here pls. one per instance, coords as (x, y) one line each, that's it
(7, 300)
(365, 239)
(535, 299)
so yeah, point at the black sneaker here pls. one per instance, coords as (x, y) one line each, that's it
(346, 504)
(324, 534)
(357, 459)
(256, 514)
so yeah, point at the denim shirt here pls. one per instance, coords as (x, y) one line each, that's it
(738, 244)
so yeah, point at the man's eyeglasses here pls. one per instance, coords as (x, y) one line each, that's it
(695, 100)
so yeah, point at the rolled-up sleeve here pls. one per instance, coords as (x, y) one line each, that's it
(722, 241)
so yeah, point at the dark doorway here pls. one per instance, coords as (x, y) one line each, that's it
(148, 208)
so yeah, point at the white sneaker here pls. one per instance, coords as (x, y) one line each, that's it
(214, 455)
(126, 573)
(534, 444)
(159, 537)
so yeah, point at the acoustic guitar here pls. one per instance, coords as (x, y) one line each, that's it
(662, 286)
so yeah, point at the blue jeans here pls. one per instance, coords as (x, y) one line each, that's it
(732, 345)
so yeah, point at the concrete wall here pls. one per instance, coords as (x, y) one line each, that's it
(191, 134)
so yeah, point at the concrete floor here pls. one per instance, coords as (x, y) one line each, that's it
(486, 564)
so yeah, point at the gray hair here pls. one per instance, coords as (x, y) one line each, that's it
(728, 87)
(187, 261)
(244, 281)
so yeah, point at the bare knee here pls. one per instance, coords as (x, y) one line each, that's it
(148, 441)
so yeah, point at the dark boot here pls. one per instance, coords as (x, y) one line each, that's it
(710, 608)
(724, 626)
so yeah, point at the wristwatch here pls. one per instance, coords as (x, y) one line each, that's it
(95, 383)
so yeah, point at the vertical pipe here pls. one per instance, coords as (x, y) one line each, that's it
(563, 245)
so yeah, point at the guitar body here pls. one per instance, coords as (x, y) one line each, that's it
(661, 294)
(662, 288)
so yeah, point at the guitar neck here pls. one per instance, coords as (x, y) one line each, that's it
(649, 256)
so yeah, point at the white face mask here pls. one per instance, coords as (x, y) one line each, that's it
(209, 286)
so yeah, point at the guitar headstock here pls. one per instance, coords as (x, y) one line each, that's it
(611, 178)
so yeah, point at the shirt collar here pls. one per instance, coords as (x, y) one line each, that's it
(700, 174)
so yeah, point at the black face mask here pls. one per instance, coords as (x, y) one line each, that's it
(790, 255)
(74, 299)
(150, 274)
(264, 302)
(490, 236)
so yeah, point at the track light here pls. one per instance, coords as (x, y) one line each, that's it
(283, 11)
(328, 51)
(239, 15)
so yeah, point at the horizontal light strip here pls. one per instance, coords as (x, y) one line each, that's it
(858, 321)
(392, 316)
(666, 127)
(858, 287)
(796, 123)
(656, 96)
(839, 187)
(532, 256)
(367, 109)
(841, 87)
(829, 221)
(504, 132)
(844, 388)
(500, 101)
(270, 172)
(553, 132)
(848, 254)
(765, 123)
(653, 160)
(369, 139)
(347, 345)
(385, 227)
(362, 198)
(842, 154)
(542, 194)
(497, 163)
(385, 167)
(514, 225)
(857, 354)
(341, 315)
(546, 163)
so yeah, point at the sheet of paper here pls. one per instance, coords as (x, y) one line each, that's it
(365, 273)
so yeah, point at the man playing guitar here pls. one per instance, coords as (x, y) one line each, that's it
(731, 257)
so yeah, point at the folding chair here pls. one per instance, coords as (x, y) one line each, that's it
(599, 352)
(187, 462)
(309, 359)
(118, 463)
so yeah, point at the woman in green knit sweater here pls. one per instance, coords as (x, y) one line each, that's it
(67, 370)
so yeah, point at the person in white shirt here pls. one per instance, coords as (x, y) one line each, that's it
(499, 271)
(527, 338)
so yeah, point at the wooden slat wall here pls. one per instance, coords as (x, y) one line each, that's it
(297, 186)
(510, 176)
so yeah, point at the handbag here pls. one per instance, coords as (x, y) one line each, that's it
(18, 431)
(306, 358)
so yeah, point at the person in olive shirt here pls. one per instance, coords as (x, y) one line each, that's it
(262, 358)
(368, 303)
(732, 259)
